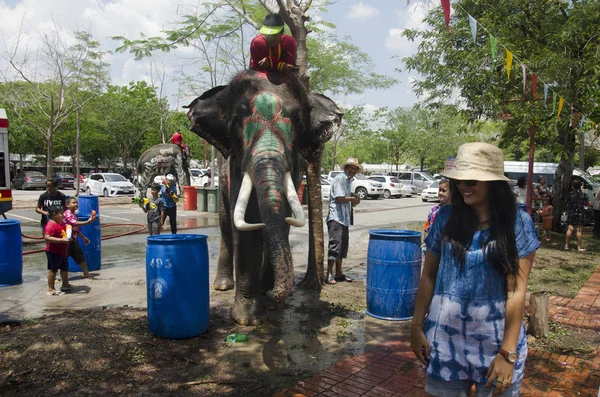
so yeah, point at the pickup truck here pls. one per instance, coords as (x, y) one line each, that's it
(361, 185)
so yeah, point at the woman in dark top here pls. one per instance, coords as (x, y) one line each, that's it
(575, 203)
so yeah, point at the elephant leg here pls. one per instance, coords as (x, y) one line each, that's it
(224, 277)
(249, 304)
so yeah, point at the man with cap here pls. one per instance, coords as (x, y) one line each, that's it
(168, 194)
(273, 50)
(338, 220)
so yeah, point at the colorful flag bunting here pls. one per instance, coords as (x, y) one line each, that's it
(553, 101)
(473, 24)
(524, 77)
(493, 46)
(509, 58)
(561, 102)
(545, 95)
(446, 8)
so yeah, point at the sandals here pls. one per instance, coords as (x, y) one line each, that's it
(330, 280)
(66, 288)
(343, 277)
(581, 249)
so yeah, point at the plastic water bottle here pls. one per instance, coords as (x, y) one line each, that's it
(235, 337)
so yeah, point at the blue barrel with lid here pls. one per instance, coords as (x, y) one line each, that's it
(87, 203)
(177, 285)
(11, 248)
(393, 273)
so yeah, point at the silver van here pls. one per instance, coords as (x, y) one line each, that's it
(421, 179)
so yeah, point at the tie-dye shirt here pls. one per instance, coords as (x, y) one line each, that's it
(465, 322)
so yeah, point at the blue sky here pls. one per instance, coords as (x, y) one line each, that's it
(374, 26)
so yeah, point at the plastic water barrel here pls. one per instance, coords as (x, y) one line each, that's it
(189, 198)
(11, 247)
(393, 273)
(87, 203)
(177, 285)
(92, 251)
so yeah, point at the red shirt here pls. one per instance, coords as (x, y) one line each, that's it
(177, 139)
(277, 57)
(55, 230)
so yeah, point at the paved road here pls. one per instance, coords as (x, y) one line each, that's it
(122, 279)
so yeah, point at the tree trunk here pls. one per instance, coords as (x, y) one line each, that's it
(538, 315)
(315, 276)
(581, 150)
(49, 154)
(562, 177)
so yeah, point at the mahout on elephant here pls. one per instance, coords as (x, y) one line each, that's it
(265, 125)
(162, 159)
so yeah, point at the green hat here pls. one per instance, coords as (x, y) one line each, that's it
(272, 24)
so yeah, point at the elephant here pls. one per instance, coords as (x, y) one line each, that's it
(265, 125)
(162, 159)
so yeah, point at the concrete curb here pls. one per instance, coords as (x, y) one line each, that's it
(104, 202)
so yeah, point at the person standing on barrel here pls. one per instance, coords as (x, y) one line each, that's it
(467, 327)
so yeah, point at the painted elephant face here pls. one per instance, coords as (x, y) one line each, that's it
(265, 121)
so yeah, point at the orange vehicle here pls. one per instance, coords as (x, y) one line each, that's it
(5, 191)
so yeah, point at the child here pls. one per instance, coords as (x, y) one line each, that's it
(74, 249)
(169, 197)
(154, 207)
(546, 214)
(444, 196)
(56, 250)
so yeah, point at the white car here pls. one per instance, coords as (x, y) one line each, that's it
(109, 185)
(199, 177)
(392, 187)
(325, 189)
(431, 193)
(361, 185)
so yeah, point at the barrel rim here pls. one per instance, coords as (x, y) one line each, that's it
(9, 222)
(175, 238)
(391, 233)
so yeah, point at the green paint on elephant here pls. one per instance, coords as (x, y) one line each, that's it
(267, 105)
(266, 126)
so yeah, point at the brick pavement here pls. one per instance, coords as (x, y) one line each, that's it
(390, 368)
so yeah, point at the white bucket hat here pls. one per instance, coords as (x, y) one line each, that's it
(478, 161)
(170, 177)
(354, 162)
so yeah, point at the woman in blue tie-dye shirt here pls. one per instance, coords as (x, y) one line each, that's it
(468, 320)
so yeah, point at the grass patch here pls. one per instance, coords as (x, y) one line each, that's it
(560, 272)
(568, 340)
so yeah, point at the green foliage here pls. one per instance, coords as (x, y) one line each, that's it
(551, 40)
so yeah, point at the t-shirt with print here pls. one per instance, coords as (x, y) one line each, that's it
(465, 322)
(70, 218)
(154, 208)
(55, 230)
(166, 193)
(46, 201)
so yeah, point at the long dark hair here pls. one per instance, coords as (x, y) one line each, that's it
(501, 246)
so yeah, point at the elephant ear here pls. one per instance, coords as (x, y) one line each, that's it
(209, 120)
(325, 120)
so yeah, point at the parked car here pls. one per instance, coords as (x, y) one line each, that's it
(392, 187)
(431, 193)
(409, 190)
(332, 174)
(64, 180)
(325, 189)
(29, 180)
(421, 179)
(109, 184)
(199, 177)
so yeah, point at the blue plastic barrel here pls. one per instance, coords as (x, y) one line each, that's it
(92, 251)
(87, 203)
(393, 273)
(177, 285)
(11, 257)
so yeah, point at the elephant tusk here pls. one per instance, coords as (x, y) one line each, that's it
(240, 207)
(292, 198)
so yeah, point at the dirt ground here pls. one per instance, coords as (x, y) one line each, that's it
(110, 351)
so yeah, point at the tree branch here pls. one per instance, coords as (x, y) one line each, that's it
(243, 14)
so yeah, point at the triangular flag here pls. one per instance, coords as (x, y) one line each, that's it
(524, 77)
(446, 8)
(582, 121)
(561, 102)
(553, 101)
(509, 58)
(493, 47)
(545, 95)
(473, 24)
